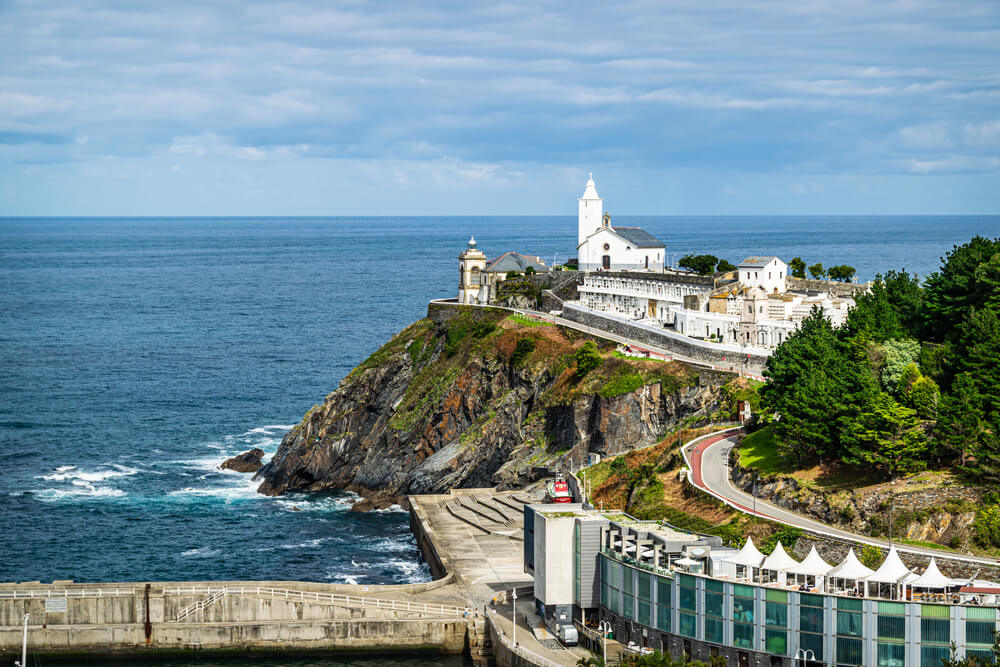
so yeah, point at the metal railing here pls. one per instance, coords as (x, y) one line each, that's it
(530, 656)
(200, 604)
(330, 598)
(67, 593)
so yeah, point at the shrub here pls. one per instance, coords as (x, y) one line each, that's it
(622, 383)
(522, 350)
(987, 526)
(587, 358)
(870, 556)
(483, 329)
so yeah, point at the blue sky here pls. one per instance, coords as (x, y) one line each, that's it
(452, 108)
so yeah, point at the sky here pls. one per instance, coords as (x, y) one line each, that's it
(467, 108)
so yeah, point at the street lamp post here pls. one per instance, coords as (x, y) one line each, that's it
(806, 655)
(755, 494)
(513, 615)
(605, 629)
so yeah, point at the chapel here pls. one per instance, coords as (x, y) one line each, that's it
(604, 247)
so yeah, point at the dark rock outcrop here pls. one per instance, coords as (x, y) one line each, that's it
(447, 404)
(249, 461)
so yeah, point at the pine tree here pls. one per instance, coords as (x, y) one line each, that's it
(886, 436)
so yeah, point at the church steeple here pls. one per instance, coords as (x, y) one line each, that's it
(591, 209)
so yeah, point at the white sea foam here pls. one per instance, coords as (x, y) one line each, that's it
(82, 489)
(345, 578)
(267, 429)
(66, 473)
(202, 552)
(390, 508)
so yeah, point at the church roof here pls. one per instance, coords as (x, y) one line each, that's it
(757, 261)
(515, 261)
(591, 190)
(639, 237)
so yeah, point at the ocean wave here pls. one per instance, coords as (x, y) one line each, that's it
(352, 579)
(72, 473)
(412, 571)
(246, 490)
(260, 430)
(81, 490)
(201, 552)
(390, 508)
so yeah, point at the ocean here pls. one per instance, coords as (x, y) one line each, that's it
(138, 354)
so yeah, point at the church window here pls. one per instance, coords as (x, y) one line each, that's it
(607, 246)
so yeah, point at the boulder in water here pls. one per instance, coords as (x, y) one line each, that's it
(246, 462)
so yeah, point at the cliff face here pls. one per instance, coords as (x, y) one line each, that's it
(478, 399)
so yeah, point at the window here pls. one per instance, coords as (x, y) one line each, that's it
(628, 607)
(713, 630)
(474, 278)
(931, 656)
(742, 635)
(935, 631)
(644, 613)
(776, 641)
(687, 624)
(810, 619)
(980, 632)
(687, 595)
(811, 642)
(713, 604)
(849, 625)
(891, 655)
(848, 651)
(628, 580)
(892, 628)
(776, 615)
(645, 586)
(743, 609)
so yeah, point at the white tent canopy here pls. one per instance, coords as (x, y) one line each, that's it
(850, 568)
(811, 565)
(779, 560)
(931, 578)
(748, 556)
(891, 571)
(686, 561)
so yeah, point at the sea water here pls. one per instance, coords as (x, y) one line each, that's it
(138, 354)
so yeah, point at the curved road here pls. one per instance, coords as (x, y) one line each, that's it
(709, 462)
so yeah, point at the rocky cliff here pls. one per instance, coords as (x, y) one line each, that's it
(475, 397)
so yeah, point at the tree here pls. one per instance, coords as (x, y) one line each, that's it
(587, 358)
(842, 273)
(797, 267)
(817, 271)
(703, 264)
(899, 354)
(875, 315)
(923, 396)
(979, 354)
(952, 291)
(724, 265)
(530, 271)
(886, 436)
(960, 421)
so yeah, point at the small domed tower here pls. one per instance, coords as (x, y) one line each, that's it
(471, 273)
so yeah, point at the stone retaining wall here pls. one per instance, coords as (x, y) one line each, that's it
(709, 353)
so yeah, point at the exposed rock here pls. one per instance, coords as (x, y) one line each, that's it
(443, 405)
(249, 461)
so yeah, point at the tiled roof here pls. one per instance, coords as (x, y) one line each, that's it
(514, 261)
(757, 261)
(639, 237)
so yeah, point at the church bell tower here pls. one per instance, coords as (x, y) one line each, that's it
(591, 211)
(471, 273)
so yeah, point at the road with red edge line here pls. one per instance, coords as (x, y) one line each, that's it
(710, 473)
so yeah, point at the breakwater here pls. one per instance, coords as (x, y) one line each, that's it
(227, 617)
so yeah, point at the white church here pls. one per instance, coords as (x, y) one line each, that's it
(602, 247)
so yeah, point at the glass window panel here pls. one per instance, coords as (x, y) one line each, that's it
(847, 604)
(645, 586)
(663, 618)
(810, 619)
(891, 655)
(713, 585)
(892, 627)
(713, 604)
(604, 595)
(811, 642)
(663, 592)
(644, 613)
(713, 630)
(628, 606)
(985, 657)
(687, 624)
(935, 631)
(613, 578)
(931, 656)
(686, 580)
(615, 605)
(743, 610)
(742, 590)
(979, 632)
(776, 614)
(848, 624)
(742, 635)
(892, 608)
(807, 600)
(848, 651)
(981, 613)
(628, 580)
(687, 599)
(935, 611)
(772, 595)
(776, 641)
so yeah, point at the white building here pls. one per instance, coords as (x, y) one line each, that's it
(768, 273)
(471, 276)
(602, 247)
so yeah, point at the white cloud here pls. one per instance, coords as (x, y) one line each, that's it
(954, 164)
